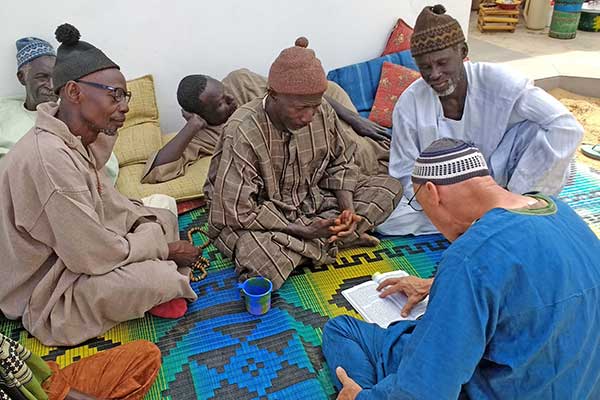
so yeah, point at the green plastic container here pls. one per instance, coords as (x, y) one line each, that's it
(564, 24)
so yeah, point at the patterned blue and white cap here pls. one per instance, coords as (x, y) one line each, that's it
(448, 161)
(30, 48)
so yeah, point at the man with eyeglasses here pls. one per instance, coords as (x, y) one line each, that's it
(514, 308)
(35, 62)
(77, 256)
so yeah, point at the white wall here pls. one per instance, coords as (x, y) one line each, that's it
(171, 39)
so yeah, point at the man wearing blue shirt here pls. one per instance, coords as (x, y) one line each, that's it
(514, 310)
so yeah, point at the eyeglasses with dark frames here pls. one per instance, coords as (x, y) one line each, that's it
(118, 94)
(413, 203)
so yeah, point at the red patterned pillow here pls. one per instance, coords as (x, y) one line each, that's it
(399, 39)
(394, 81)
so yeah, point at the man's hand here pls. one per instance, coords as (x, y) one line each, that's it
(350, 388)
(366, 127)
(196, 121)
(415, 289)
(345, 225)
(319, 229)
(183, 253)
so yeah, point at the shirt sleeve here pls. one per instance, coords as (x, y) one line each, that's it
(235, 199)
(342, 172)
(449, 342)
(404, 150)
(202, 145)
(544, 163)
(84, 244)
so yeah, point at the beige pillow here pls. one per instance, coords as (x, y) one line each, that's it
(142, 107)
(135, 144)
(140, 135)
(185, 187)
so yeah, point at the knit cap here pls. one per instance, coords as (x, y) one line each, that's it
(448, 161)
(30, 48)
(76, 58)
(298, 71)
(435, 30)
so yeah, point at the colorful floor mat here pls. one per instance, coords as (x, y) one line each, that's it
(218, 351)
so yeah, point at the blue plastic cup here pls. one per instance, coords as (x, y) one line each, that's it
(257, 294)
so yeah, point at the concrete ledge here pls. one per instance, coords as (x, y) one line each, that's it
(580, 85)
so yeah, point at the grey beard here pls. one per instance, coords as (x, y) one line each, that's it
(449, 91)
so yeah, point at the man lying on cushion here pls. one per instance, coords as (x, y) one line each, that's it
(35, 61)
(78, 257)
(527, 136)
(285, 189)
(207, 104)
(514, 309)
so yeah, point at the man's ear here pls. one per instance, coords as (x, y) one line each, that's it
(464, 50)
(272, 94)
(72, 92)
(21, 76)
(433, 195)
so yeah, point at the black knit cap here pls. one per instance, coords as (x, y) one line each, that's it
(75, 58)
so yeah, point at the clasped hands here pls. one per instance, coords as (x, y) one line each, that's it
(332, 229)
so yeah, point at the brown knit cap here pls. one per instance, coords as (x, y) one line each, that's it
(297, 71)
(434, 30)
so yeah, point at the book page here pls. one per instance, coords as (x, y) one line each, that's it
(365, 299)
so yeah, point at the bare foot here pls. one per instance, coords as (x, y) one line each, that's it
(364, 240)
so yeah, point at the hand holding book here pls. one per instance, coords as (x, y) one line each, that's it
(415, 289)
(403, 297)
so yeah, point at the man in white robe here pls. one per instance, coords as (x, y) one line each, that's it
(527, 137)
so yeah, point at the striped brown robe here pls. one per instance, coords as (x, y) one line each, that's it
(264, 179)
(244, 85)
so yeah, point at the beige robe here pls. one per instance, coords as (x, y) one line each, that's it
(266, 179)
(244, 85)
(78, 257)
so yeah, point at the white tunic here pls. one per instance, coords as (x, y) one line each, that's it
(527, 136)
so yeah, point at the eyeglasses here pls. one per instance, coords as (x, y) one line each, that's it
(116, 93)
(413, 203)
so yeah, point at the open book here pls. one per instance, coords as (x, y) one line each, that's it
(366, 301)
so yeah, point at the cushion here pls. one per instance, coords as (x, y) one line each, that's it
(136, 143)
(142, 107)
(185, 187)
(394, 81)
(140, 135)
(360, 80)
(399, 39)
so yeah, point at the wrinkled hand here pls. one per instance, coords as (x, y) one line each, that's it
(415, 289)
(197, 121)
(345, 225)
(319, 229)
(350, 388)
(183, 253)
(366, 127)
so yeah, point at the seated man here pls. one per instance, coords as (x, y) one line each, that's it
(514, 310)
(207, 104)
(124, 372)
(35, 61)
(526, 136)
(78, 256)
(285, 189)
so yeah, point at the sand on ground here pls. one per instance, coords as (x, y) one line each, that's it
(587, 112)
